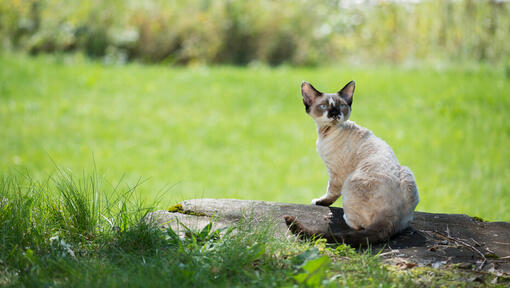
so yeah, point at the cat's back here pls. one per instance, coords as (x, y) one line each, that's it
(351, 138)
(354, 145)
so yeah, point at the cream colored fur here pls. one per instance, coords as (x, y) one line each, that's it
(362, 169)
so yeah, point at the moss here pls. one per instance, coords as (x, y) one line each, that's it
(189, 212)
(177, 208)
(447, 276)
(491, 256)
(479, 219)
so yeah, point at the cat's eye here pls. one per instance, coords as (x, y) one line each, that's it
(342, 106)
(323, 106)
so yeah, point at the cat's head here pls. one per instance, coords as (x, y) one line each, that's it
(328, 108)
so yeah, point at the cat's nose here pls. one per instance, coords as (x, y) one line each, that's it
(334, 112)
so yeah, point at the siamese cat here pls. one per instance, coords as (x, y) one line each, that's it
(378, 195)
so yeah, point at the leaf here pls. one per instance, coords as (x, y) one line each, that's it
(301, 278)
(315, 270)
(172, 234)
(29, 254)
(315, 265)
(227, 230)
(188, 230)
(258, 250)
(309, 254)
(124, 217)
(205, 232)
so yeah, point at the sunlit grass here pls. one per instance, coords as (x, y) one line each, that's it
(46, 241)
(242, 132)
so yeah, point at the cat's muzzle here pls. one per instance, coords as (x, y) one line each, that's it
(334, 113)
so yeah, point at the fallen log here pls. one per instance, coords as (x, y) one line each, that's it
(433, 239)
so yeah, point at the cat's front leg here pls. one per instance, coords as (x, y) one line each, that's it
(334, 191)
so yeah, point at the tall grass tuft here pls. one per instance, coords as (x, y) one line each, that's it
(78, 207)
(62, 215)
(22, 223)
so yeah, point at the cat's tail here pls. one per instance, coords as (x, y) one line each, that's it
(376, 233)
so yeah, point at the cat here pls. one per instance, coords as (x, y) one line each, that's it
(379, 196)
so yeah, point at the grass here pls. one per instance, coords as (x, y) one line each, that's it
(43, 244)
(242, 132)
(173, 133)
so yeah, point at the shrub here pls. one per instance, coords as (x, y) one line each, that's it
(274, 32)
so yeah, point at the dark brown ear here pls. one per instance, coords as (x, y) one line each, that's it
(347, 92)
(309, 95)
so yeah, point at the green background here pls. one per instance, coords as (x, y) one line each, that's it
(201, 131)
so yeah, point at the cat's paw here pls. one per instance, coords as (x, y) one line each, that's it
(321, 202)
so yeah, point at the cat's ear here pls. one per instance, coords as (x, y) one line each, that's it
(309, 94)
(347, 92)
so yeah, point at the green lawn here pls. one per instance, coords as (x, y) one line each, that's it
(243, 133)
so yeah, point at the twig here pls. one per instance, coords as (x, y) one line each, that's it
(476, 242)
(486, 248)
(389, 252)
(459, 241)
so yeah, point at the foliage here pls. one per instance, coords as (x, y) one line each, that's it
(313, 268)
(274, 32)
